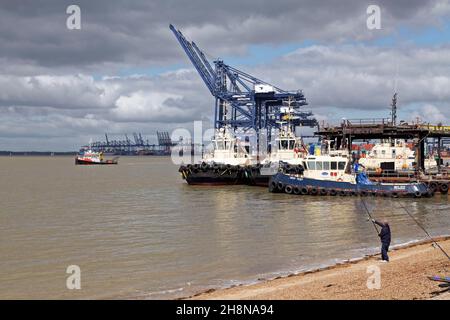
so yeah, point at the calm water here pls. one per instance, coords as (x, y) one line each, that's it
(137, 230)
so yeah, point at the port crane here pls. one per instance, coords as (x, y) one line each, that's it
(242, 101)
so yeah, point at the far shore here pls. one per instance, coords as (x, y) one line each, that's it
(405, 277)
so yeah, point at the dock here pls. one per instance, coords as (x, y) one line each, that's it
(342, 137)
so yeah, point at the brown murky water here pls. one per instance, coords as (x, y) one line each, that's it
(137, 230)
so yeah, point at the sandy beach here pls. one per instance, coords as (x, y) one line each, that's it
(404, 277)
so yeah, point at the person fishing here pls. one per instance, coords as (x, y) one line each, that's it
(385, 237)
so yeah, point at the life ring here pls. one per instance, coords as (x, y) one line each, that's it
(288, 189)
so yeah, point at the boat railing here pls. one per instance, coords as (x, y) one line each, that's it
(365, 122)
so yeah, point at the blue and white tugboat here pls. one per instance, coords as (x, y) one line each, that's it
(332, 174)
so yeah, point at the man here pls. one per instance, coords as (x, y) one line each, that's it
(385, 237)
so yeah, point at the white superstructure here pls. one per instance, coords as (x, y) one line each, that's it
(228, 149)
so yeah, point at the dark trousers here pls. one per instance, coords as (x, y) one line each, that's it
(384, 251)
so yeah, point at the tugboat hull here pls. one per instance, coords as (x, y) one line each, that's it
(87, 162)
(214, 175)
(305, 186)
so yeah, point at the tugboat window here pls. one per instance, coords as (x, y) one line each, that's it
(311, 165)
(341, 165)
(333, 165)
(326, 166)
(319, 165)
(291, 144)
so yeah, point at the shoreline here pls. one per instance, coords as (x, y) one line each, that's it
(419, 258)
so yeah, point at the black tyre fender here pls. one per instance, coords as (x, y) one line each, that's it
(280, 186)
(288, 189)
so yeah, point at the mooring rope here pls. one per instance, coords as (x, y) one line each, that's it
(426, 232)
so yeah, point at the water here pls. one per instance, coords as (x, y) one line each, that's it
(137, 230)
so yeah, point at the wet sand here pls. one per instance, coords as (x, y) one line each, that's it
(404, 277)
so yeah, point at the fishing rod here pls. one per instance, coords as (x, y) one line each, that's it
(370, 216)
(426, 232)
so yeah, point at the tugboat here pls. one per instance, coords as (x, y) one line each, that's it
(226, 165)
(332, 175)
(392, 156)
(288, 157)
(288, 154)
(89, 157)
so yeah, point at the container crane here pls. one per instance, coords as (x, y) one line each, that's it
(242, 101)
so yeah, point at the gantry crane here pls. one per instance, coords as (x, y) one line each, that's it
(242, 101)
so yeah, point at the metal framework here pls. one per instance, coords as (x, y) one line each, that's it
(242, 101)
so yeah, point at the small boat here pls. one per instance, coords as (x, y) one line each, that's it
(89, 157)
(333, 175)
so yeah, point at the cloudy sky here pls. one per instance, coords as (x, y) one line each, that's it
(125, 72)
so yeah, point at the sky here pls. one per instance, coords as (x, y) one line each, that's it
(125, 72)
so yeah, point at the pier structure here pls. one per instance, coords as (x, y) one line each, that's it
(343, 135)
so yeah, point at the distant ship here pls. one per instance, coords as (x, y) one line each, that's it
(89, 157)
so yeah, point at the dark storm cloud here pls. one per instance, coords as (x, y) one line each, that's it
(121, 34)
(53, 93)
